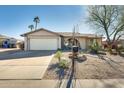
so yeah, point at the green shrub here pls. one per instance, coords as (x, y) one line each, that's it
(58, 55)
(59, 49)
(94, 48)
(63, 64)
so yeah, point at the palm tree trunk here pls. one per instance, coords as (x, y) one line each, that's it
(36, 26)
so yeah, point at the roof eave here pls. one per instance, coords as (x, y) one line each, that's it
(25, 34)
(83, 36)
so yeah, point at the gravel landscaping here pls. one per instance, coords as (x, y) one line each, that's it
(94, 67)
(101, 67)
(54, 72)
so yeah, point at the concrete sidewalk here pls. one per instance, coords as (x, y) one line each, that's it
(28, 83)
(8, 49)
(80, 83)
(95, 83)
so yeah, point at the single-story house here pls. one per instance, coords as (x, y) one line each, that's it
(2, 38)
(43, 39)
(20, 44)
(116, 43)
(121, 41)
(7, 42)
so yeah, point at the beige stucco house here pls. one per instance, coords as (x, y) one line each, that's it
(43, 39)
(2, 38)
(10, 40)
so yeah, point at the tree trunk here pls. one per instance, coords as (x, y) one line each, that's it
(109, 46)
(36, 26)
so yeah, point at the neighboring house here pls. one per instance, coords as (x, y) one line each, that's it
(20, 44)
(43, 39)
(2, 38)
(121, 41)
(7, 42)
(105, 45)
(115, 44)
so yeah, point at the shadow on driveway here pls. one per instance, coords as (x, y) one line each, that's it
(24, 54)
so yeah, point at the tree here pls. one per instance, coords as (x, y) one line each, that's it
(31, 27)
(109, 20)
(94, 47)
(36, 20)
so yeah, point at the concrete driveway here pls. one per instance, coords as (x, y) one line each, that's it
(24, 64)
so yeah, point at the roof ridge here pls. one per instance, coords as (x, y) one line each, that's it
(39, 30)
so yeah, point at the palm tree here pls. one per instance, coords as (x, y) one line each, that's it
(31, 27)
(36, 20)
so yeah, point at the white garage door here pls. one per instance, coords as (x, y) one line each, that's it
(43, 44)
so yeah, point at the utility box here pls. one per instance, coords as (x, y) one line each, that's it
(75, 49)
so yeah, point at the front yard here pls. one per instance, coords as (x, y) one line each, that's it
(94, 67)
(54, 72)
(101, 67)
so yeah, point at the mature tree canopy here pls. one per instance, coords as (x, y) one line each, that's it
(31, 27)
(36, 20)
(107, 19)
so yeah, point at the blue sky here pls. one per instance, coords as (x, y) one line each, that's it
(14, 20)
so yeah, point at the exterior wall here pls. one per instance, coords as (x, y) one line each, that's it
(81, 40)
(65, 38)
(88, 41)
(38, 36)
(59, 42)
(42, 33)
(62, 43)
(85, 42)
(25, 43)
(82, 43)
(122, 42)
(99, 42)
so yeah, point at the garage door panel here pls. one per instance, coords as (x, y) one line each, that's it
(43, 44)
